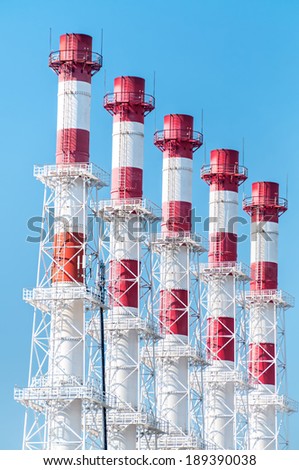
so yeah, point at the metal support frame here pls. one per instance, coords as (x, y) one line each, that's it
(276, 399)
(144, 418)
(176, 438)
(45, 396)
(213, 380)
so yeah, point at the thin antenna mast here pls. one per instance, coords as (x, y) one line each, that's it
(154, 95)
(204, 145)
(50, 39)
(102, 42)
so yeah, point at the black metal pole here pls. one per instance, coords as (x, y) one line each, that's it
(104, 412)
(102, 335)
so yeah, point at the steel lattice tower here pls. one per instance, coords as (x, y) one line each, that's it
(176, 245)
(268, 402)
(222, 278)
(63, 395)
(130, 330)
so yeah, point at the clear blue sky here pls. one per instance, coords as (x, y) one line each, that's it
(236, 59)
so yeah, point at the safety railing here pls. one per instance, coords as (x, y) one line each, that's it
(113, 101)
(62, 393)
(173, 350)
(180, 237)
(223, 169)
(180, 442)
(280, 401)
(130, 324)
(166, 136)
(81, 56)
(226, 267)
(87, 170)
(279, 203)
(278, 297)
(131, 205)
(213, 376)
(61, 293)
(139, 418)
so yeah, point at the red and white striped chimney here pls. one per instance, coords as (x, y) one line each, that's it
(224, 175)
(178, 141)
(128, 104)
(75, 66)
(265, 206)
(75, 63)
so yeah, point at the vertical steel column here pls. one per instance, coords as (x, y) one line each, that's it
(178, 141)
(128, 105)
(74, 65)
(265, 206)
(224, 176)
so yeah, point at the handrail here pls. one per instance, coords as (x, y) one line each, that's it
(225, 265)
(129, 204)
(61, 293)
(82, 55)
(220, 169)
(186, 135)
(271, 294)
(71, 169)
(132, 98)
(261, 201)
(171, 235)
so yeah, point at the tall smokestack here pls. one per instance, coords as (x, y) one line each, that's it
(224, 175)
(265, 206)
(128, 104)
(74, 65)
(59, 379)
(178, 141)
